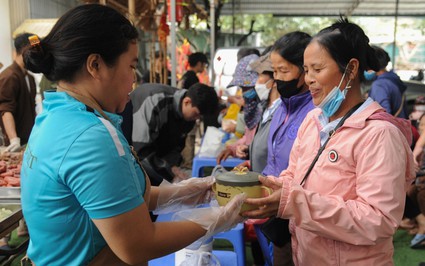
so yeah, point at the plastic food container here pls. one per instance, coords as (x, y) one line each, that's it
(237, 181)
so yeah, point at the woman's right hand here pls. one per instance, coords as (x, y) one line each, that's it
(223, 155)
(267, 206)
(244, 164)
(242, 151)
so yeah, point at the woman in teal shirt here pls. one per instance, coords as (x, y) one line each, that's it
(84, 196)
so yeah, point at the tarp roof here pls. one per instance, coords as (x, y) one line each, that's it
(325, 7)
(41, 27)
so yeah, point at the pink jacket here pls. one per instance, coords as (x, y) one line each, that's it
(352, 202)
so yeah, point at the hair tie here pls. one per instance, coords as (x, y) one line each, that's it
(34, 40)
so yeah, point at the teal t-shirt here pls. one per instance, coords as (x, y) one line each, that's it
(77, 167)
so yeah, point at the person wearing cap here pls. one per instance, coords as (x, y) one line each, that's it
(287, 62)
(17, 98)
(265, 88)
(197, 64)
(256, 152)
(245, 79)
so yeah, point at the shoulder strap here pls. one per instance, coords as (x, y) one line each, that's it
(401, 105)
(341, 122)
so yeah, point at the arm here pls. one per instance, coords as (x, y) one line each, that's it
(269, 206)
(134, 238)
(8, 89)
(418, 151)
(112, 196)
(9, 125)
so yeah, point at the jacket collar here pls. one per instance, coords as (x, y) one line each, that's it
(357, 120)
(177, 101)
(297, 101)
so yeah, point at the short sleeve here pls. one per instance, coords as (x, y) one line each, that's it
(7, 93)
(103, 175)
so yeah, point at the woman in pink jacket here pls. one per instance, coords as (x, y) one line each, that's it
(347, 209)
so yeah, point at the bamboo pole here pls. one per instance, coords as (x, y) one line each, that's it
(132, 10)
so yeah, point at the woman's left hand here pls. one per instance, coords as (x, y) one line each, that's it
(269, 205)
(183, 195)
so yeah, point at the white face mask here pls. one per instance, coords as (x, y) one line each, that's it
(262, 90)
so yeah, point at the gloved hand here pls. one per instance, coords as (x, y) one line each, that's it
(214, 219)
(15, 145)
(184, 195)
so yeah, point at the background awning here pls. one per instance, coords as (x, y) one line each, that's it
(325, 7)
(41, 27)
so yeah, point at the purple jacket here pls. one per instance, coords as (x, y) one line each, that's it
(283, 131)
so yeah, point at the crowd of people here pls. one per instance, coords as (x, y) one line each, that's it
(107, 150)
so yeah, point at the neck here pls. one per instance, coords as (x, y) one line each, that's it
(20, 61)
(380, 72)
(274, 94)
(352, 98)
(79, 88)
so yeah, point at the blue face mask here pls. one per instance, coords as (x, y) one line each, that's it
(333, 100)
(369, 75)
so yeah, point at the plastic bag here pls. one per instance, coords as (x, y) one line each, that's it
(200, 258)
(211, 144)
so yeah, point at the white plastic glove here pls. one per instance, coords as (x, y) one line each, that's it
(214, 219)
(184, 195)
(15, 145)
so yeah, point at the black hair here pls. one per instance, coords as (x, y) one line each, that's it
(382, 56)
(197, 57)
(203, 97)
(84, 30)
(21, 41)
(291, 47)
(245, 51)
(267, 50)
(345, 40)
(269, 73)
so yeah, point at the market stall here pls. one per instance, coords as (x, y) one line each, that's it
(10, 203)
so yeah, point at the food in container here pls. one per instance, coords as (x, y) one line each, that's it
(239, 180)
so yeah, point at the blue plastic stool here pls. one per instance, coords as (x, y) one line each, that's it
(264, 244)
(236, 237)
(200, 162)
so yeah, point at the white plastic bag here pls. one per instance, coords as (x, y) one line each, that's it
(200, 258)
(211, 144)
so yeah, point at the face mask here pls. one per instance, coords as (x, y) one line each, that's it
(262, 90)
(288, 89)
(333, 100)
(369, 75)
(249, 94)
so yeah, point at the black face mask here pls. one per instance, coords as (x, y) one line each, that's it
(288, 89)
